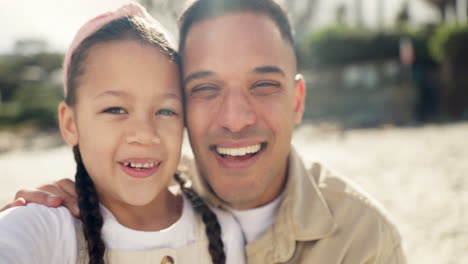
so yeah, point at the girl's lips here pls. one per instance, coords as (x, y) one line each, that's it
(139, 172)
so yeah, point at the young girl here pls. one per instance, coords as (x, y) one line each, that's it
(123, 115)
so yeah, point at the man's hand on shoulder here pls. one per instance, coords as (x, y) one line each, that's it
(59, 193)
(17, 202)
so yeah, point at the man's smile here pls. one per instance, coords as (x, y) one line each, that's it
(241, 151)
(238, 157)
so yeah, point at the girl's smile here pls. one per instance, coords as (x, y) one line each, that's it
(140, 167)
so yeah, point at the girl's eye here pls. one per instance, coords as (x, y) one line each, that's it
(167, 112)
(115, 111)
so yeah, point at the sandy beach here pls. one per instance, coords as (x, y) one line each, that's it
(419, 174)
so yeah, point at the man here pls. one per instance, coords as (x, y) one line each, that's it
(243, 100)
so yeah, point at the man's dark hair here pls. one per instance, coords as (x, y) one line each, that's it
(203, 9)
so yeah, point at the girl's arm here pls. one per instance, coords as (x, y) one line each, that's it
(37, 234)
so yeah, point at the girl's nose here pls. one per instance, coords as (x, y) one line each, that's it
(143, 139)
(143, 132)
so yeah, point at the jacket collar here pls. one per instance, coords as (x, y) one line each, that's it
(303, 215)
(309, 212)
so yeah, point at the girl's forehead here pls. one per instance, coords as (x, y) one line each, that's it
(129, 67)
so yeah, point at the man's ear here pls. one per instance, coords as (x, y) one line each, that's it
(299, 98)
(67, 124)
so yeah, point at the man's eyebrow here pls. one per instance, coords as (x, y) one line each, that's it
(197, 75)
(269, 69)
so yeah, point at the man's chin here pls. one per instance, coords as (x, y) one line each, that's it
(237, 195)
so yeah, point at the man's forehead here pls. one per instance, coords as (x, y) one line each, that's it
(235, 27)
(236, 36)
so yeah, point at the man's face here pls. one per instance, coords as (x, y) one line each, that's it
(242, 104)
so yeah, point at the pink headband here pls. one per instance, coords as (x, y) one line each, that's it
(93, 25)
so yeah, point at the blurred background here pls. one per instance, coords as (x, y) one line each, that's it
(387, 103)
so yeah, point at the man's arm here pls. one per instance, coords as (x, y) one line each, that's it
(59, 193)
(17, 202)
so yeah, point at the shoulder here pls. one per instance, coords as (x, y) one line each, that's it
(36, 215)
(37, 232)
(353, 209)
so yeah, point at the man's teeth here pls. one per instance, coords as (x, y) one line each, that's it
(140, 165)
(238, 151)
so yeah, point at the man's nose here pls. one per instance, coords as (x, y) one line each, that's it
(236, 112)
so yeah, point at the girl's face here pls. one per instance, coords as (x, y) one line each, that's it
(127, 121)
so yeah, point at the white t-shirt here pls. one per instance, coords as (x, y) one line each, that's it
(38, 234)
(254, 222)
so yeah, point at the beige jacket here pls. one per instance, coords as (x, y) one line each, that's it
(322, 219)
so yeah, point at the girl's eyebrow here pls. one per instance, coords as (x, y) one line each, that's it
(172, 96)
(116, 93)
(111, 93)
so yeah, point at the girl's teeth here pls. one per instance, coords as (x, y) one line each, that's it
(146, 165)
(238, 151)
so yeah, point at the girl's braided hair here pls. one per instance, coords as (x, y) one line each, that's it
(125, 28)
(88, 202)
(212, 227)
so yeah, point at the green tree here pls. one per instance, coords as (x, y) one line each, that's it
(30, 85)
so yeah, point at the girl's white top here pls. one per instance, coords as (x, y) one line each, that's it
(39, 234)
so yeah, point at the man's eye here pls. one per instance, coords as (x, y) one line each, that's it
(115, 111)
(167, 112)
(265, 88)
(204, 92)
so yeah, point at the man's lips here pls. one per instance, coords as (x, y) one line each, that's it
(139, 167)
(238, 156)
(239, 151)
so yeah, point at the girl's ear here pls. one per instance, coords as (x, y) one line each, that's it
(67, 124)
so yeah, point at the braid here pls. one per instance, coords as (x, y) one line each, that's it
(212, 227)
(90, 215)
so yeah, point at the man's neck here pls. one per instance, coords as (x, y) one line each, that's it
(274, 190)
